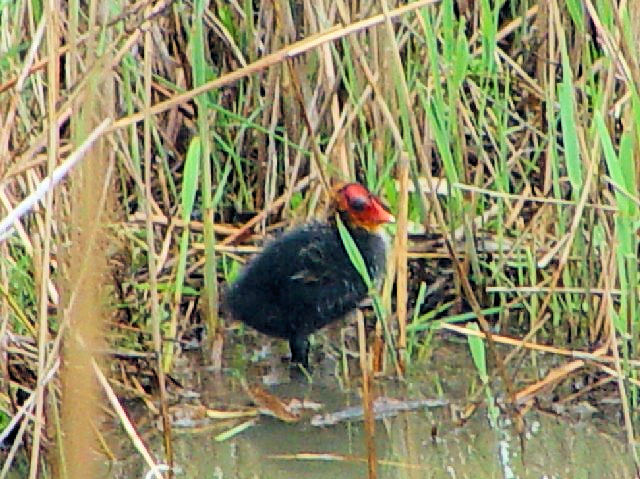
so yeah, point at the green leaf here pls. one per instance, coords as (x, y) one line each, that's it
(575, 10)
(353, 252)
(190, 178)
(569, 127)
(476, 346)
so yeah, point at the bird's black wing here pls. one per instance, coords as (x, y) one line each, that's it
(322, 279)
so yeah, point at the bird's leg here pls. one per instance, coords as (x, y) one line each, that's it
(299, 345)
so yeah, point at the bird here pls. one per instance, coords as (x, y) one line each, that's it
(304, 280)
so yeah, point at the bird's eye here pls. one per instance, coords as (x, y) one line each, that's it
(357, 203)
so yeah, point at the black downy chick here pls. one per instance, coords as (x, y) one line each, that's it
(304, 280)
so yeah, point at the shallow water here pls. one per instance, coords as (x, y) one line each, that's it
(406, 450)
(417, 444)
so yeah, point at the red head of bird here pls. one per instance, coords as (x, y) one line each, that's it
(362, 208)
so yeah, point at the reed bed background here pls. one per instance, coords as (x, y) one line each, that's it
(503, 135)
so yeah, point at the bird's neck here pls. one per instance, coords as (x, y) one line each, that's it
(373, 244)
(357, 228)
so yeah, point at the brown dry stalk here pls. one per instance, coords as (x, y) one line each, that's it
(402, 272)
(288, 52)
(598, 357)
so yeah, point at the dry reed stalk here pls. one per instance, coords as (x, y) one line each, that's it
(613, 344)
(531, 215)
(402, 273)
(152, 256)
(367, 400)
(136, 440)
(290, 51)
(597, 357)
(53, 35)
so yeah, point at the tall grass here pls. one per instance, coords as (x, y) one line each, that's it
(520, 122)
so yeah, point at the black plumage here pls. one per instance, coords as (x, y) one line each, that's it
(304, 280)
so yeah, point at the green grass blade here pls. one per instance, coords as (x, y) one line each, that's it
(569, 127)
(478, 353)
(190, 179)
(354, 254)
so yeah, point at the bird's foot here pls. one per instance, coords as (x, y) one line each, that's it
(299, 346)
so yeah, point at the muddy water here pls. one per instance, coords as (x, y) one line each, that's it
(429, 442)
(405, 450)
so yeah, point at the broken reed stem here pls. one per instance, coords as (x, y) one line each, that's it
(136, 440)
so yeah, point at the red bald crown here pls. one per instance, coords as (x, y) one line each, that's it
(363, 208)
